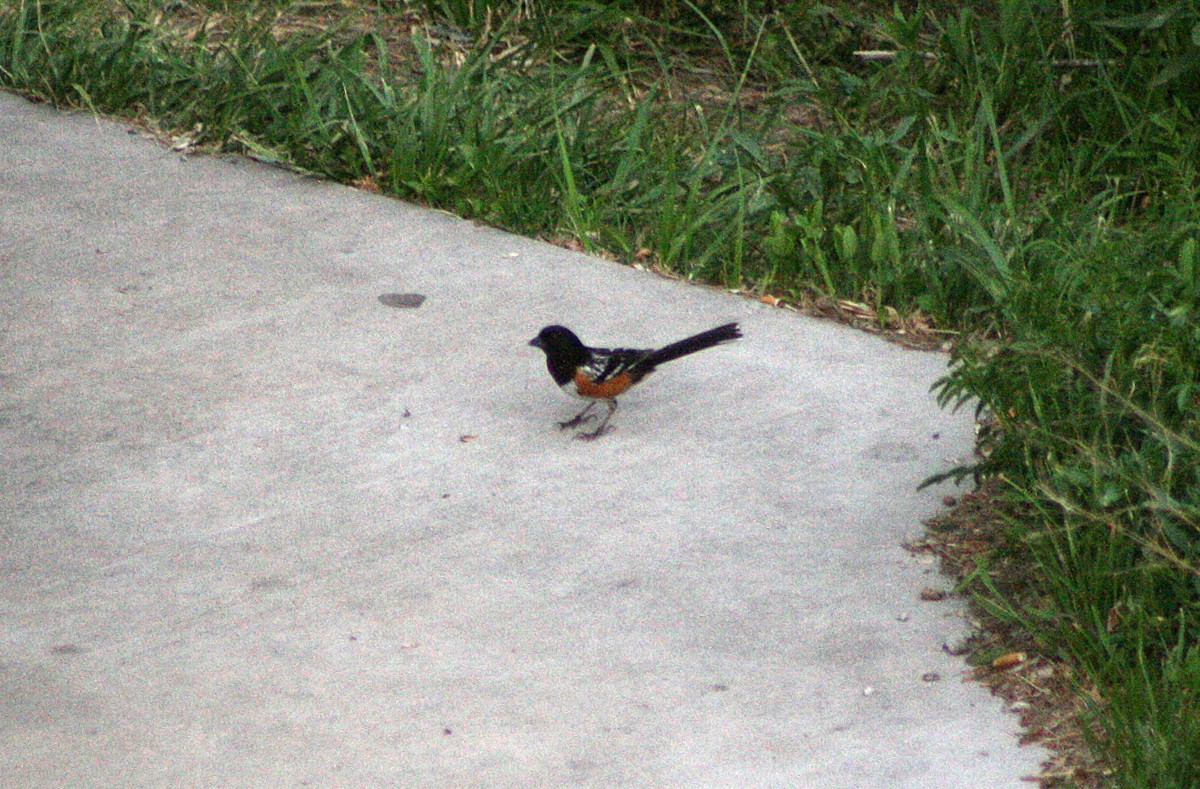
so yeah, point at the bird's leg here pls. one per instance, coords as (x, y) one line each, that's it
(579, 418)
(593, 435)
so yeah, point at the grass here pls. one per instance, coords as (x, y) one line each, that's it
(1023, 176)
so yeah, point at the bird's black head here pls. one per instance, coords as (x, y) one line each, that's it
(564, 352)
(557, 339)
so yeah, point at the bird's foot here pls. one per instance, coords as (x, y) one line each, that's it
(579, 419)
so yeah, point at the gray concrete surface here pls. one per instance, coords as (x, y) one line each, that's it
(258, 529)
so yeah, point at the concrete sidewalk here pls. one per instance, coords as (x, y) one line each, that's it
(258, 529)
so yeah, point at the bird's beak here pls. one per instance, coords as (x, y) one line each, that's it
(536, 342)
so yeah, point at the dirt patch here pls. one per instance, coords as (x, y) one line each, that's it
(1050, 694)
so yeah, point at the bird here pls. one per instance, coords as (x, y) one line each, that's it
(599, 375)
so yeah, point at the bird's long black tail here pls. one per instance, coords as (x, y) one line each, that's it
(697, 342)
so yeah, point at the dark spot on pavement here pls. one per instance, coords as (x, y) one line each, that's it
(401, 300)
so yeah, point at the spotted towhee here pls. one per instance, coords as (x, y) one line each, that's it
(600, 374)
